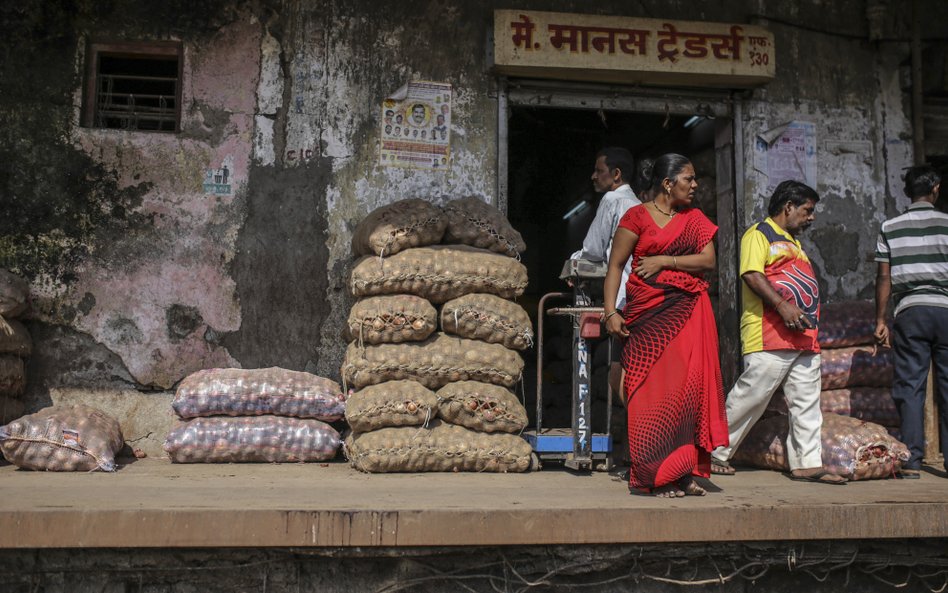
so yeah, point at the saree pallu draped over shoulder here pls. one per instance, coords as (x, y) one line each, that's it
(672, 373)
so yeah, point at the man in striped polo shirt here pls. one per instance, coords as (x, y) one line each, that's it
(912, 256)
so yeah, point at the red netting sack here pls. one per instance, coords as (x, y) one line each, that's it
(254, 392)
(853, 449)
(249, 439)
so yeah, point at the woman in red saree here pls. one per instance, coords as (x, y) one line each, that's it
(671, 374)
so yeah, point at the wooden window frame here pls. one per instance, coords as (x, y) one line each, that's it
(127, 49)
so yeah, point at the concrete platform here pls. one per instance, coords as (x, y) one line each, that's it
(153, 503)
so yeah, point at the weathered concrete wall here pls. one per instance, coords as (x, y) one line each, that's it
(773, 567)
(849, 88)
(139, 277)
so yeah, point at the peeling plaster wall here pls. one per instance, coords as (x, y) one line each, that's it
(153, 278)
(863, 141)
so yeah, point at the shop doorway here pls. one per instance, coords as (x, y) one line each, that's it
(549, 141)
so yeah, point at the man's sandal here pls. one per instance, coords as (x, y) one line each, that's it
(721, 468)
(818, 478)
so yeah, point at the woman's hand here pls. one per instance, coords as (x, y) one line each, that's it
(651, 265)
(615, 326)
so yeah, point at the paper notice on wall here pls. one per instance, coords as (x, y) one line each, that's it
(787, 151)
(416, 126)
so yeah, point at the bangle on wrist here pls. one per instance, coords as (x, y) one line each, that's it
(606, 317)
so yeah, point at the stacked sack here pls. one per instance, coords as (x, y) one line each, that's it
(406, 373)
(255, 415)
(15, 344)
(859, 414)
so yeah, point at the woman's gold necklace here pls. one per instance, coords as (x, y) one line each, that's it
(668, 214)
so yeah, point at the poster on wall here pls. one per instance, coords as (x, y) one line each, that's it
(416, 126)
(787, 151)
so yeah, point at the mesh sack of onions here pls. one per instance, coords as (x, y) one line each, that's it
(488, 318)
(872, 404)
(391, 319)
(248, 439)
(12, 375)
(472, 221)
(441, 447)
(852, 448)
(253, 392)
(865, 366)
(847, 323)
(439, 360)
(393, 403)
(481, 406)
(398, 226)
(14, 295)
(63, 438)
(439, 273)
(15, 339)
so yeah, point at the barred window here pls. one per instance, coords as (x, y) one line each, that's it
(133, 86)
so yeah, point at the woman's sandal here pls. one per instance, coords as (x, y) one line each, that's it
(668, 491)
(691, 488)
(721, 468)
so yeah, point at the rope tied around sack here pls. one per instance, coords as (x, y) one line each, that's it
(485, 226)
(399, 232)
(424, 373)
(492, 322)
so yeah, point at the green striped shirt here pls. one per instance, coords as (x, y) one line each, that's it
(915, 245)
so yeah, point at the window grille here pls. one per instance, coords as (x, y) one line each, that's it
(134, 87)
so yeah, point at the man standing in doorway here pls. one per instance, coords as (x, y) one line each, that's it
(912, 256)
(612, 173)
(778, 332)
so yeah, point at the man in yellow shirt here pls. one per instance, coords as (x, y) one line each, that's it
(779, 335)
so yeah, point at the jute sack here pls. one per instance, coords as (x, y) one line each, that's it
(10, 409)
(439, 273)
(847, 323)
(472, 221)
(481, 406)
(248, 439)
(14, 295)
(391, 319)
(16, 341)
(397, 226)
(12, 375)
(393, 403)
(872, 404)
(437, 361)
(62, 439)
(440, 448)
(865, 366)
(852, 448)
(253, 392)
(489, 318)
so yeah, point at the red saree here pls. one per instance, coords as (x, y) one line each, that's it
(672, 373)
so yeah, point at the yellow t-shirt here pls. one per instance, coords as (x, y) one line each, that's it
(768, 249)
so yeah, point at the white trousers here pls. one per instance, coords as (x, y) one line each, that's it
(764, 372)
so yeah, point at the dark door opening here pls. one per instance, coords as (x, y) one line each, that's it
(551, 201)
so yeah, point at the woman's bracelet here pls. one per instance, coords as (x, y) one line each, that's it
(606, 317)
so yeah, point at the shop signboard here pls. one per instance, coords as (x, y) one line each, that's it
(632, 50)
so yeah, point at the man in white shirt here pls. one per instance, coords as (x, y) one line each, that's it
(612, 173)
